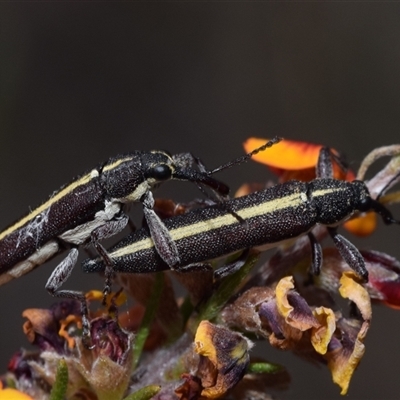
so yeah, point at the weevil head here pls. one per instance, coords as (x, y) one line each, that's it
(158, 166)
(127, 178)
(367, 203)
(161, 166)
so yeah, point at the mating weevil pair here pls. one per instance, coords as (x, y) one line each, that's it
(90, 208)
(267, 218)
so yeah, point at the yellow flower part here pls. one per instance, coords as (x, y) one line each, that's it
(116, 299)
(64, 325)
(321, 336)
(297, 315)
(12, 394)
(224, 358)
(343, 365)
(282, 288)
(345, 357)
(203, 341)
(353, 291)
(363, 225)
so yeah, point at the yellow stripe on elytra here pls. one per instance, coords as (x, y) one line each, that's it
(62, 193)
(323, 192)
(292, 200)
(116, 163)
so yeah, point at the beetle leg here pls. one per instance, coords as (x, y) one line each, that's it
(60, 274)
(316, 252)
(105, 231)
(163, 242)
(324, 167)
(232, 267)
(350, 254)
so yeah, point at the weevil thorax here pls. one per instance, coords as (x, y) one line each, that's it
(337, 200)
(127, 178)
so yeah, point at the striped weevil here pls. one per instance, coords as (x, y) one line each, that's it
(268, 218)
(91, 208)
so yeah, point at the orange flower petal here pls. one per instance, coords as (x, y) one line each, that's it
(94, 295)
(287, 154)
(13, 394)
(290, 159)
(362, 225)
(116, 299)
(65, 323)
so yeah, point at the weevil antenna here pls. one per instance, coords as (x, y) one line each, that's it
(247, 156)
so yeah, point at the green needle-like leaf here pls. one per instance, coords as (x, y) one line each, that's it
(264, 368)
(59, 390)
(145, 393)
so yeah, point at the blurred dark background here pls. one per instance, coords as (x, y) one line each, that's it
(80, 82)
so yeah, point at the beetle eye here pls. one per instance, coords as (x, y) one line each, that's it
(161, 172)
(365, 204)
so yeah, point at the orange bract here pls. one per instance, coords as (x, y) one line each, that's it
(362, 225)
(287, 154)
(12, 394)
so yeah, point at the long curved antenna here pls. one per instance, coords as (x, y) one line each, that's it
(247, 156)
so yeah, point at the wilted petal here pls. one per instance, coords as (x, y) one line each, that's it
(353, 291)
(108, 365)
(41, 329)
(224, 358)
(190, 389)
(384, 277)
(286, 327)
(243, 312)
(289, 318)
(269, 311)
(321, 336)
(293, 307)
(345, 352)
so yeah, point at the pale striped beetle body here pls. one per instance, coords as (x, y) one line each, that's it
(90, 202)
(89, 209)
(269, 217)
